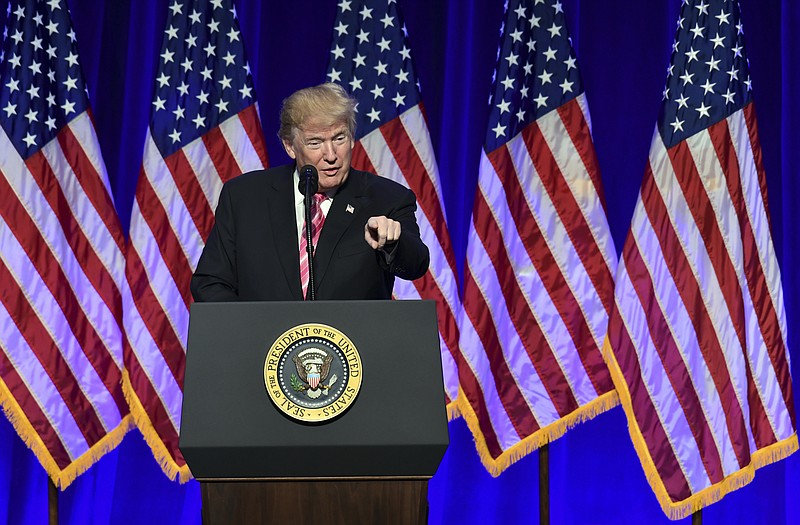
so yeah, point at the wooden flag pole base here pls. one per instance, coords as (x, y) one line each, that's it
(544, 485)
(52, 502)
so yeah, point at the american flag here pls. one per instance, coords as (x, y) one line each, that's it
(538, 284)
(697, 339)
(204, 129)
(371, 58)
(61, 252)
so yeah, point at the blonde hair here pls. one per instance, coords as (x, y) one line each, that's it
(327, 103)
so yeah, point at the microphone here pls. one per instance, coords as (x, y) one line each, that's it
(309, 180)
(308, 186)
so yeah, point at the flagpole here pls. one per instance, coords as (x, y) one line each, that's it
(697, 517)
(52, 502)
(544, 485)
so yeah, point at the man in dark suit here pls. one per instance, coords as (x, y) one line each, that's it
(369, 235)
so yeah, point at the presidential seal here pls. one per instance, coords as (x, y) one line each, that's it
(312, 372)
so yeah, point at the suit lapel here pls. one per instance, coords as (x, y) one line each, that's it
(348, 202)
(284, 229)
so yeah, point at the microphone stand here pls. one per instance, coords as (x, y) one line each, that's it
(309, 194)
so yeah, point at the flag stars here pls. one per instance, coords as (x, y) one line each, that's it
(387, 21)
(737, 50)
(183, 88)
(399, 100)
(499, 131)
(677, 125)
(363, 37)
(550, 53)
(723, 17)
(520, 10)
(359, 60)
(168, 56)
(32, 116)
(36, 68)
(516, 35)
(703, 110)
(712, 65)
(708, 87)
(702, 8)
(338, 51)
(554, 30)
(10, 109)
(377, 92)
(691, 55)
(15, 61)
(186, 65)
(50, 123)
(405, 53)
(566, 86)
(541, 100)
(202, 98)
(68, 107)
(355, 84)
(175, 136)
(545, 77)
(570, 63)
(179, 113)
(213, 27)
(206, 73)
(163, 80)
(172, 32)
(401, 76)
(225, 82)
(344, 5)
(191, 41)
(195, 17)
(176, 8)
(682, 102)
(13, 85)
(733, 73)
(374, 115)
(159, 103)
(512, 59)
(687, 78)
(697, 31)
(504, 106)
(229, 58)
(199, 121)
(384, 44)
(380, 68)
(508, 83)
(30, 139)
(70, 83)
(365, 13)
(335, 76)
(728, 96)
(33, 92)
(718, 41)
(221, 106)
(233, 35)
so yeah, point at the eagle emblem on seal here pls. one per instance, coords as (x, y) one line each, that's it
(313, 367)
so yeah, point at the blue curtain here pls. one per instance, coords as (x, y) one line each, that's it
(623, 52)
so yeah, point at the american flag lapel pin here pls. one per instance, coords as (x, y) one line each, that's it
(350, 208)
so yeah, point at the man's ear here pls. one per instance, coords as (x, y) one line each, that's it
(287, 145)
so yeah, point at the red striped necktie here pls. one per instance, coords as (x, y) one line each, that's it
(317, 220)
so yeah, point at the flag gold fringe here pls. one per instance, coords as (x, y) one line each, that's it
(453, 410)
(543, 436)
(61, 478)
(681, 509)
(173, 471)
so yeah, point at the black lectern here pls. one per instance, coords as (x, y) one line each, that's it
(368, 463)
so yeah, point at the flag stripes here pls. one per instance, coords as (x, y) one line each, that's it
(538, 289)
(695, 310)
(172, 216)
(379, 152)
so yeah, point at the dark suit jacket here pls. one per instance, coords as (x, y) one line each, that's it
(252, 253)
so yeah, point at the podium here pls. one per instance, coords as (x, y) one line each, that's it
(261, 457)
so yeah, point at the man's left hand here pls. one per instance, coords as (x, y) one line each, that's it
(380, 231)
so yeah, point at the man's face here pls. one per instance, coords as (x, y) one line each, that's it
(326, 147)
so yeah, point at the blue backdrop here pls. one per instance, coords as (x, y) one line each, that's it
(623, 52)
